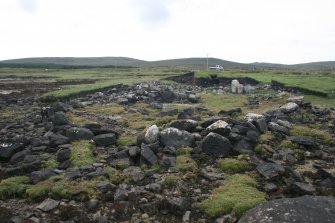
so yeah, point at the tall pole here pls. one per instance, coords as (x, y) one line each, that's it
(207, 62)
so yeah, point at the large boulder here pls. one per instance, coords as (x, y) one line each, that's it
(8, 150)
(184, 124)
(215, 144)
(303, 140)
(236, 87)
(57, 139)
(76, 133)
(148, 155)
(60, 118)
(289, 107)
(219, 127)
(278, 128)
(61, 106)
(306, 209)
(105, 139)
(176, 138)
(250, 117)
(270, 170)
(151, 134)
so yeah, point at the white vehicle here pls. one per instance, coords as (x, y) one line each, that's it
(217, 68)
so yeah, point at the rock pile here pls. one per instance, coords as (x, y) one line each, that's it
(171, 167)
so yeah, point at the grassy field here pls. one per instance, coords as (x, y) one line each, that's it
(324, 83)
(106, 77)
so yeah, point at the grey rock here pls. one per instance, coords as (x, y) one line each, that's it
(229, 218)
(184, 124)
(176, 138)
(289, 107)
(174, 205)
(18, 157)
(76, 133)
(219, 127)
(261, 125)
(284, 123)
(15, 219)
(105, 186)
(270, 187)
(302, 188)
(63, 155)
(121, 195)
(152, 134)
(41, 175)
(92, 204)
(170, 150)
(134, 151)
(193, 98)
(122, 101)
(148, 155)
(167, 161)
(154, 187)
(64, 165)
(211, 176)
(135, 173)
(72, 175)
(303, 140)
(60, 118)
(306, 209)
(270, 170)
(39, 148)
(296, 99)
(57, 139)
(8, 150)
(251, 117)
(48, 205)
(61, 107)
(215, 144)
(275, 127)
(105, 139)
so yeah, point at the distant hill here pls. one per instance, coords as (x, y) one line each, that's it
(78, 61)
(131, 62)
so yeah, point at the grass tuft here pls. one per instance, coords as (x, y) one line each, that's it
(233, 166)
(238, 195)
(126, 141)
(316, 133)
(13, 187)
(186, 163)
(171, 180)
(81, 153)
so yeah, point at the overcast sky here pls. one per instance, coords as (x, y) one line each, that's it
(279, 31)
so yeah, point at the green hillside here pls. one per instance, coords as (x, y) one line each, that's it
(193, 63)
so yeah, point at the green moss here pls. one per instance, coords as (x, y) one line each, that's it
(238, 195)
(115, 176)
(233, 166)
(81, 153)
(184, 151)
(316, 133)
(73, 190)
(259, 149)
(171, 180)
(39, 191)
(126, 141)
(287, 144)
(186, 163)
(266, 137)
(49, 164)
(13, 187)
